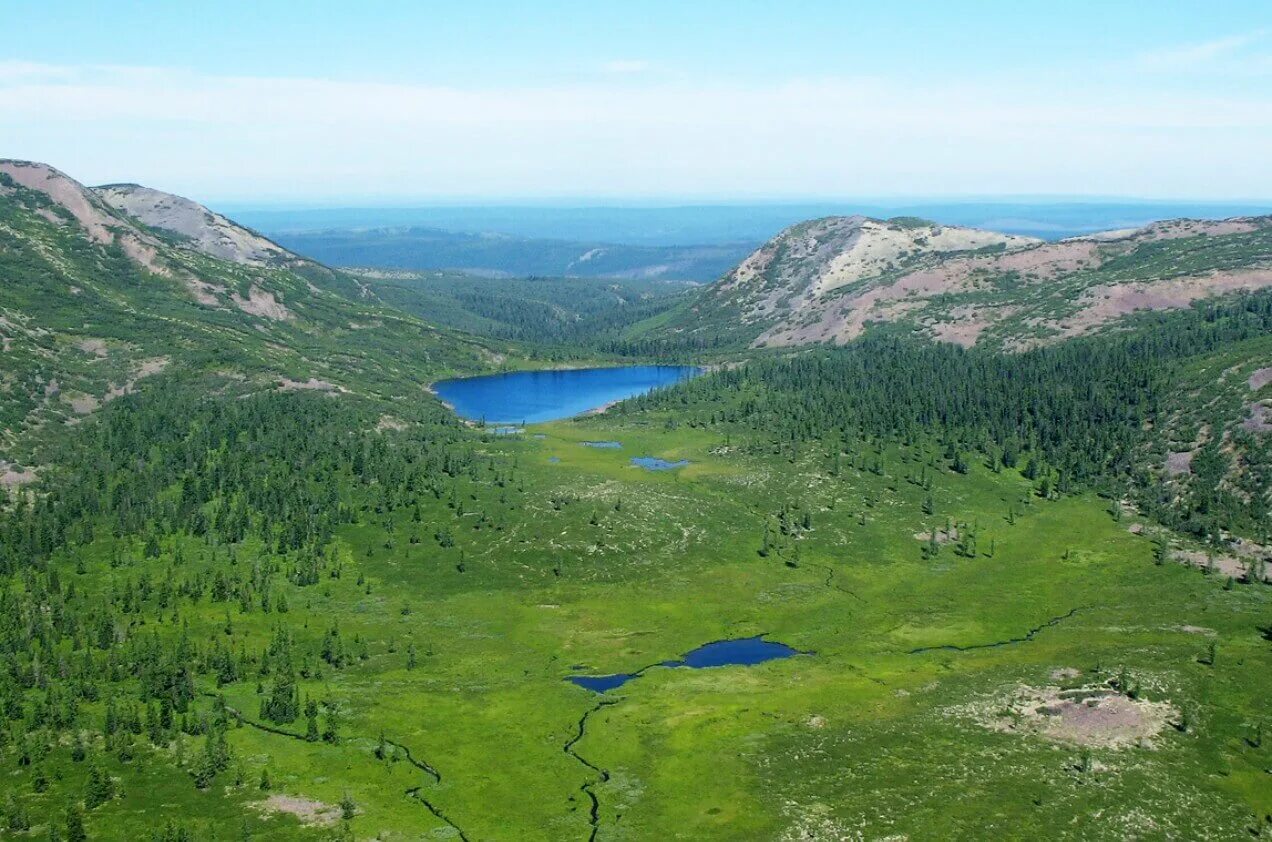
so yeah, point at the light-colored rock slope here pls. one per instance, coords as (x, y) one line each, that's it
(200, 228)
(827, 280)
(96, 303)
(100, 223)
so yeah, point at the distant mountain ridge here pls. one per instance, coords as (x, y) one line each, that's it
(503, 255)
(678, 224)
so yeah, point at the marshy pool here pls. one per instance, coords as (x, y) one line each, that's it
(531, 397)
(653, 463)
(741, 651)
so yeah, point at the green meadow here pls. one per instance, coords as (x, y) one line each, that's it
(440, 636)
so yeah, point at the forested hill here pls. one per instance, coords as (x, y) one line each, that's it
(1175, 412)
(826, 281)
(96, 304)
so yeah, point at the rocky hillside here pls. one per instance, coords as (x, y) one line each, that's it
(105, 291)
(827, 280)
(193, 226)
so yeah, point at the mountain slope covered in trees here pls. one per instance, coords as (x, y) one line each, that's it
(97, 303)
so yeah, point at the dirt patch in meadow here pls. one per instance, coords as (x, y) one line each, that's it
(11, 476)
(1092, 716)
(261, 303)
(1220, 564)
(96, 347)
(312, 384)
(1260, 378)
(1179, 462)
(83, 404)
(388, 422)
(306, 810)
(1260, 419)
(943, 536)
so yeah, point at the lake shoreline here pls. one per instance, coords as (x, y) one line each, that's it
(533, 396)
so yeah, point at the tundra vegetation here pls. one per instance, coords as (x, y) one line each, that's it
(275, 590)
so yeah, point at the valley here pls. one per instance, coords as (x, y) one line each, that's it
(886, 585)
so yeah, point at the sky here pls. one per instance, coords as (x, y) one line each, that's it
(377, 102)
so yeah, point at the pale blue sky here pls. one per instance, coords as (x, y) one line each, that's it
(417, 101)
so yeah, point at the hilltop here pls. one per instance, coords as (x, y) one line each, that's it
(195, 226)
(107, 289)
(826, 281)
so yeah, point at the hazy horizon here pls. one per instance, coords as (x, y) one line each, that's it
(397, 102)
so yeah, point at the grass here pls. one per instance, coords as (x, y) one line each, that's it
(861, 736)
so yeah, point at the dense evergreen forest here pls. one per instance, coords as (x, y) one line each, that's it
(1079, 414)
(230, 499)
(545, 312)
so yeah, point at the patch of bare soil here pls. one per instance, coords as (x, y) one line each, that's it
(83, 404)
(96, 347)
(312, 384)
(388, 422)
(11, 476)
(1260, 420)
(151, 367)
(1260, 378)
(306, 810)
(1222, 564)
(1179, 462)
(1093, 716)
(943, 536)
(261, 303)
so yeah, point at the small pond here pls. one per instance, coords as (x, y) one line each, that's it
(742, 651)
(530, 397)
(651, 463)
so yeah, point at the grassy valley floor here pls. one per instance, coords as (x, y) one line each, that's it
(1028, 671)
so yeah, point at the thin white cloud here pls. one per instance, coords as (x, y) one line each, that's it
(1203, 53)
(625, 66)
(17, 71)
(218, 137)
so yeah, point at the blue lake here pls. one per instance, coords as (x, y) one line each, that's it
(529, 397)
(742, 651)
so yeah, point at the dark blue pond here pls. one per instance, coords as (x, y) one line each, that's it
(743, 651)
(652, 463)
(534, 396)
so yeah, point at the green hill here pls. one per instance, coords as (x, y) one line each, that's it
(96, 304)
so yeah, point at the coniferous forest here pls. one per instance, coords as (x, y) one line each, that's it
(936, 533)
